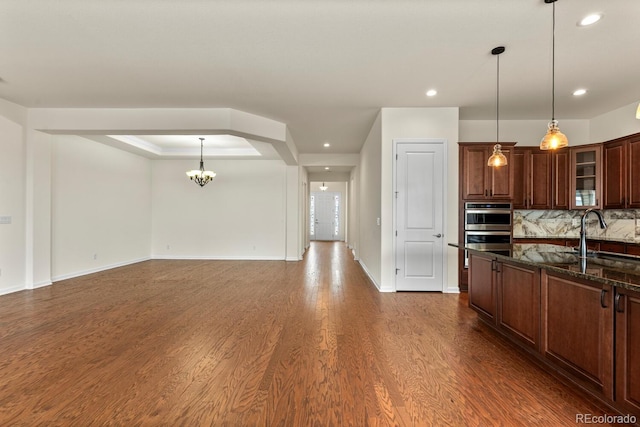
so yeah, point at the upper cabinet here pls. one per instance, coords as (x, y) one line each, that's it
(532, 175)
(478, 181)
(586, 177)
(621, 169)
(560, 182)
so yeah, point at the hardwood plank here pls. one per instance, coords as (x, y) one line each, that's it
(261, 343)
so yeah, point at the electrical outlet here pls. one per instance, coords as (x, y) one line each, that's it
(168, 247)
(95, 256)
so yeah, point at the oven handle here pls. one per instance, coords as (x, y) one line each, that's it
(487, 211)
(487, 233)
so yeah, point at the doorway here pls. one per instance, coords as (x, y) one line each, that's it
(419, 215)
(324, 215)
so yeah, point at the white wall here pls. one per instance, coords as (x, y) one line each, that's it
(240, 215)
(101, 207)
(12, 204)
(432, 123)
(615, 124)
(369, 203)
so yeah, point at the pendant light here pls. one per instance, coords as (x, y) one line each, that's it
(638, 112)
(554, 138)
(497, 159)
(323, 187)
(201, 176)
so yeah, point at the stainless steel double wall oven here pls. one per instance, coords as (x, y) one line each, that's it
(487, 227)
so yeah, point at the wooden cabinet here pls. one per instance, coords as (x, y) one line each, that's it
(478, 181)
(561, 162)
(621, 168)
(518, 303)
(532, 177)
(507, 295)
(577, 330)
(586, 177)
(482, 294)
(627, 308)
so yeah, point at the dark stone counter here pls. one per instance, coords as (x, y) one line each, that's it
(602, 267)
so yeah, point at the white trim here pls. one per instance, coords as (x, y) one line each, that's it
(293, 259)
(96, 270)
(452, 290)
(12, 290)
(445, 146)
(364, 268)
(216, 258)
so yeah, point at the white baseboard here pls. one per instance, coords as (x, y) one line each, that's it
(96, 270)
(216, 258)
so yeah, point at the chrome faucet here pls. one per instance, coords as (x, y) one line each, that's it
(583, 229)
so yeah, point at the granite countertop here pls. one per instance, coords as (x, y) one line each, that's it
(602, 267)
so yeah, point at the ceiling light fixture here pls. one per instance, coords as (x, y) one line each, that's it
(590, 19)
(553, 139)
(638, 112)
(326, 145)
(497, 159)
(201, 176)
(579, 92)
(432, 92)
(323, 187)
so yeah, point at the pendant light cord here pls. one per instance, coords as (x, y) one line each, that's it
(498, 101)
(553, 65)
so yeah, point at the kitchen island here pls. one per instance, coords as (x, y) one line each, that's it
(578, 317)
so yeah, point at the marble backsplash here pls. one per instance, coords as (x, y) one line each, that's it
(622, 225)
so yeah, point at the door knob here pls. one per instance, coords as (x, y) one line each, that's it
(437, 235)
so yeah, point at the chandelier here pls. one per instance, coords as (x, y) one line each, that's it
(201, 176)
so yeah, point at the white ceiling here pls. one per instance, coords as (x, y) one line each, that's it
(323, 67)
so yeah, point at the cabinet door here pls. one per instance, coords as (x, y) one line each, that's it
(586, 177)
(540, 166)
(482, 296)
(560, 183)
(501, 179)
(615, 175)
(627, 307)
(633, 189)
(518, 311)
(474, 171)
(577, 330)
(520, 178)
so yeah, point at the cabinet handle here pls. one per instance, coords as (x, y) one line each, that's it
(486, 192)
(602, 294)
(491, 192)
(617, 304)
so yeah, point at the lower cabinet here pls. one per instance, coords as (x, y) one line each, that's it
(506, 295)
(587, 331)
(577, 333)
(627, 308)
(482, 294)
(518, 305)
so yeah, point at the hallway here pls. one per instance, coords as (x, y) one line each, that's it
(244, 343)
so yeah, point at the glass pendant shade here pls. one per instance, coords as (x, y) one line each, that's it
(638, 112)
(497, 159)
(554, 139)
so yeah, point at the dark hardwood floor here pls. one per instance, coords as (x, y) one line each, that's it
(253, 343)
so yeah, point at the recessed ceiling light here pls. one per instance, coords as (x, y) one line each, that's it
(432, 92)
(326, 145)
(590, 19)
(326, 168)
(579, 92)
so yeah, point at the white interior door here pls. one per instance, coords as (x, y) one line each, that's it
(326, 215)
(419, 216)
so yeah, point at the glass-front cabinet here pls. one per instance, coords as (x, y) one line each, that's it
(586, 177)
